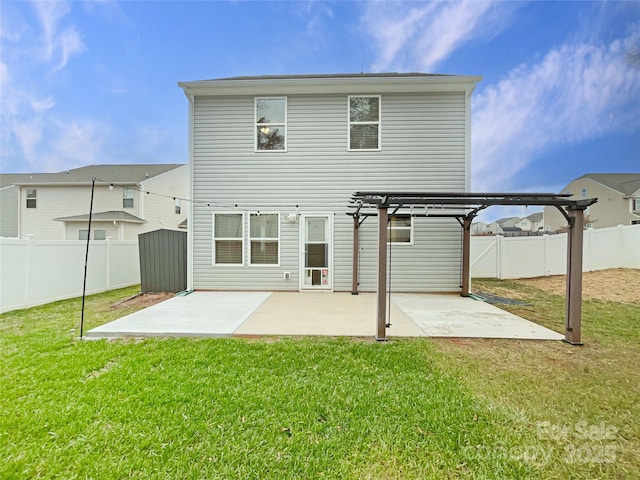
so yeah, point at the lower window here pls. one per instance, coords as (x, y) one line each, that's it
(400, 229)
(264, 233)
(228, 236)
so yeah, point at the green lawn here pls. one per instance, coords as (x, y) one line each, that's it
(315, 407)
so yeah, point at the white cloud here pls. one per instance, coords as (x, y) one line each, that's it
(575, 93)
(31, 130)
(419, 36)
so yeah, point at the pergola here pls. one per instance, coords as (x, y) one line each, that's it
(464, 207)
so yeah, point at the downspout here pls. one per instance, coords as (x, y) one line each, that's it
(190, 225)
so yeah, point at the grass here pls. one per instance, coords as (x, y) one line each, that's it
(315, 407)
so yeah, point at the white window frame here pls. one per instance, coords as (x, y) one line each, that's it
(636, 204)
(125, 196)
(34, 198)
(379, 123)
(410, 228)
(257, 125)
(583, 192)
(268, 239)
(214, 239)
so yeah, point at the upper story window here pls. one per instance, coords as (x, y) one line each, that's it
(271, 124)
(127, 197)
(32, 198)
(178, 206)
(364, 123)
(228, 238)
(400, 229)
(264, 233)
(583, 193)
(636, 204)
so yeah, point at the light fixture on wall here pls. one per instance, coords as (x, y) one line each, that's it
(291, 218)
(111, 187)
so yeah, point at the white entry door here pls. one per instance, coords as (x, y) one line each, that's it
(317, 252)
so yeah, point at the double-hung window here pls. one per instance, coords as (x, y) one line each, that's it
(364, 123)
(400, 229)
(264, 233)
(636, 204)
(127, 197)
(32, 198)
(228, 238)
(271, 124)
(178, 206)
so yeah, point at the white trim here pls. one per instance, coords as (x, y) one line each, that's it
(190, 148)
(467, 141)
(269, 239)
(213, 238)
(330, 235)
(255, 124)
(379, 123)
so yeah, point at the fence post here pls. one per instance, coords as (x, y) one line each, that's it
(499, 257)
(108, 267)
(27, 270)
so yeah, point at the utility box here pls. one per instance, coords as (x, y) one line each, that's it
(163, 261)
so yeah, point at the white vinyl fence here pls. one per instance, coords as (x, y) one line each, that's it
(35, 272)
(523, 257)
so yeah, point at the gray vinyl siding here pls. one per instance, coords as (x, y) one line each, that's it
(423, 149)
(9, 208)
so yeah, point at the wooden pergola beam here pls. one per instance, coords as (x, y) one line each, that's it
(382, 201)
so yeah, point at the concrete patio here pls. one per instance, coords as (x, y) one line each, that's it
(222, 314)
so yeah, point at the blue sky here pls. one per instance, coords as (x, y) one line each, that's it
(95, 82)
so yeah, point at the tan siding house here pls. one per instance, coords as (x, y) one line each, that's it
(56, 206)
(618, 203)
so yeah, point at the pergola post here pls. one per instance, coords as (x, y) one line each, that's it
(466, 255)
(381, 332)
(573, 317)
(356, 252)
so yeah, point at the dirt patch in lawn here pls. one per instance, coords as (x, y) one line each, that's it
(615, 285)
(143, 300)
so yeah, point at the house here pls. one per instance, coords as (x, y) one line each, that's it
(508, 222)
(534, 222)
(618, 203)
(128, 200)
(274, 161)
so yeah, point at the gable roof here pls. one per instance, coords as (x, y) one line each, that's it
(624, 183)
(110, 216)
(500, 221)
(535, 217)
(122, 174)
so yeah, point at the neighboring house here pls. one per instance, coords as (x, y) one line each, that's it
(128, 200)
(479, 228)
(508, 222)
(275, 160)
(618, 203)
(536, 221)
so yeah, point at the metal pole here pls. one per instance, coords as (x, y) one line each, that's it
(86, 258)
(356, 242)
(466, 255)
(573, 319)
(381, 334)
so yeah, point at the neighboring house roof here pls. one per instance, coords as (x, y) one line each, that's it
(504, 220)
(123, 174)
(511, 229)
(535, 217)
(625, 183)
(333, 75)
(110, 216)
(183, 224)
